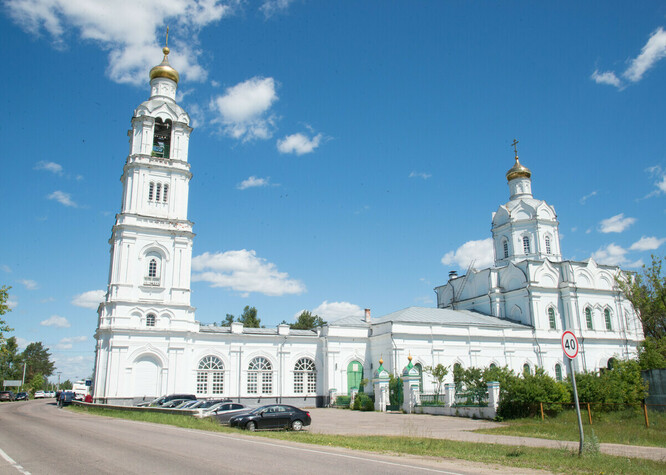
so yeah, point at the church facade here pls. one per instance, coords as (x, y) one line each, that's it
(149, 342)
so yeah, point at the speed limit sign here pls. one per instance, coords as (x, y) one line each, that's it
(570, 344)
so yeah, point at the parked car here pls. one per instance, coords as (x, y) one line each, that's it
(22, 396)
(7, 396)
(274, 416)
(160, 401)
(173, 404)
(66, 398)
(40, 394)
(226, 411)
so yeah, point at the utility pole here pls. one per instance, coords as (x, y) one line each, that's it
(59, 373)
(23, 380)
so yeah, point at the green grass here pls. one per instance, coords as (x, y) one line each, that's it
(554, 460)
(621, 427)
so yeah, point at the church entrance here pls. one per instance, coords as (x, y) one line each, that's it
(147, 377)
(354, 376)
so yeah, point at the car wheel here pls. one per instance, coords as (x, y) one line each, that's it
(251, 426)
(296, 425)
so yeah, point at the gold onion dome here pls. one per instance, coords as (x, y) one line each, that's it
(518, 171)
(164, 69)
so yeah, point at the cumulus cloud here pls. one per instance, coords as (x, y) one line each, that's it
(423, 175)
(647, 243)
(244, 272)
(29, 284)
(481, 252)
(73, 367)
(132, 32)
(55, 321)
(6, 268)
(272, 7)
(68, 343)
(63, 198)
(653, 51)
(49, 167)
(12, 302)
(331, 311)
(243, 111)
(659, 175)
(299, 144)
(90, 299)
(615, 224)
(253, 182)
(587, 197)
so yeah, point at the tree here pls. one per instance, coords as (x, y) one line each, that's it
(4, 308)
(249, 317)
(36, 383)
(438, 372)
(229, 319)
(11, 364)
(652, 353)
(307, 321)
(647, 293)
(38, 360)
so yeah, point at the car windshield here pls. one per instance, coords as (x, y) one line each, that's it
(258, 410)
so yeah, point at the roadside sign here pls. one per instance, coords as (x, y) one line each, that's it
(570, 344)
(12, 383)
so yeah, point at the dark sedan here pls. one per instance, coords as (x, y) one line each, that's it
(275, 416)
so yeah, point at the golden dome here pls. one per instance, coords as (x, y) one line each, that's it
(381, 361)
(164, 69)
(518, 171)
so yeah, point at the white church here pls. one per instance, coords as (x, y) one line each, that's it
(149, 342)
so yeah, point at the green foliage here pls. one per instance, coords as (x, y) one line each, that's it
(438, 373)
(647, 292)
(458, 376)
(362, 384)
(36, 383)
(363, 402)
(67, 384)
(11, 365)
(228, 320)
(307, 321)
(396, 396)
(652, 353)
(4, 308)
(38, 360)
(621, 385)
(342, 401)
(249, 317)
(520, 396)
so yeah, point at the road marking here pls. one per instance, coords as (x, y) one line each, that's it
(13, 463)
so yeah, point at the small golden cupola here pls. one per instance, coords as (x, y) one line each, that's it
(164, 69)
(518, 170)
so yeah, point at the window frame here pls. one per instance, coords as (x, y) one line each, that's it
(527, 249)
(210, 376)
(608, 320)
(151, 320)
(588, 318)
(552, 322)
(260, 376)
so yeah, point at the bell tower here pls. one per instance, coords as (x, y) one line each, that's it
(151, 241)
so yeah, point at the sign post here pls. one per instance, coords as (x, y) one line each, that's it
(570, 347)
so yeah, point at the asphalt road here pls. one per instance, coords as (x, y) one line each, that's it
(38, 438)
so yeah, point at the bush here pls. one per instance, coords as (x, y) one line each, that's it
(396, 397)
(343, 401)
(521, 396)
(363, 402)
(621, 385)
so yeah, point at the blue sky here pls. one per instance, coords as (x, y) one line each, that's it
(346, 155)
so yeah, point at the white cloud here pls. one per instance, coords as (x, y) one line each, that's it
(647, 244)
(331, 311)
(607, 77)
(55, 321)
(243, 111)
(253, 182)
(130, 31)
(62, 198)
(22, 343)
(68, 343)
(615, 224)
(481, 252)
(7, 269)
(49, 166)
(299, 144)
(653, 51)
(423, 175)
(587, 197)
(12, 302)
(29, 284)
(73, 367)
(90, 299)
(272, 7)
(243, 271)
(612, 254)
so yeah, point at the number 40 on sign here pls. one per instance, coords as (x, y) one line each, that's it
(570, 344)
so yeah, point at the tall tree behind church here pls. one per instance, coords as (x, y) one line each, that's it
(37, 360)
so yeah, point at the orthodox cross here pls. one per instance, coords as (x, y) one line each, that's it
(515, 150)
(166, 43)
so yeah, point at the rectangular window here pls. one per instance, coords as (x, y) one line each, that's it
(252, 383)
(166, 192)
(202, 383)
(218, 382)
(267, 383)
(312, 382)
(157, 193)
(298, 383)
(151, 189)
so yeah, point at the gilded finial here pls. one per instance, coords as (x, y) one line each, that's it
(410, 356)
(164, 70)
(381, 360)
(166, 49)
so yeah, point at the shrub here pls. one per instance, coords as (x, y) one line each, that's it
(621, 385)
(363, 402)
(521, 396)
(396, 397)
(343, 401)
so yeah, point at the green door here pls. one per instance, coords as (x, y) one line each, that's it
(354, 376)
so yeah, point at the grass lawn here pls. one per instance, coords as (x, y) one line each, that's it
(621, 427)
(554, 460)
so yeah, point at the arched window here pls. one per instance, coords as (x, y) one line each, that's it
(158, 192)
(526, 245)
(210, 376)
(165, 193)
(547, 244)
(152, 276)
(611, 363)
(260, 376)
(526, 369)
(150, 320)
(505, 248)
(152, 268)
(419, 368)
(551, 319)
(588, 318)
(493, 365)
(151, 191)
(162, 138)
(305, 376)
(558, 372)
(607, 317)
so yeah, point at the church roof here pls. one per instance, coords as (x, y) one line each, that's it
(445, 316)
(350, 321)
